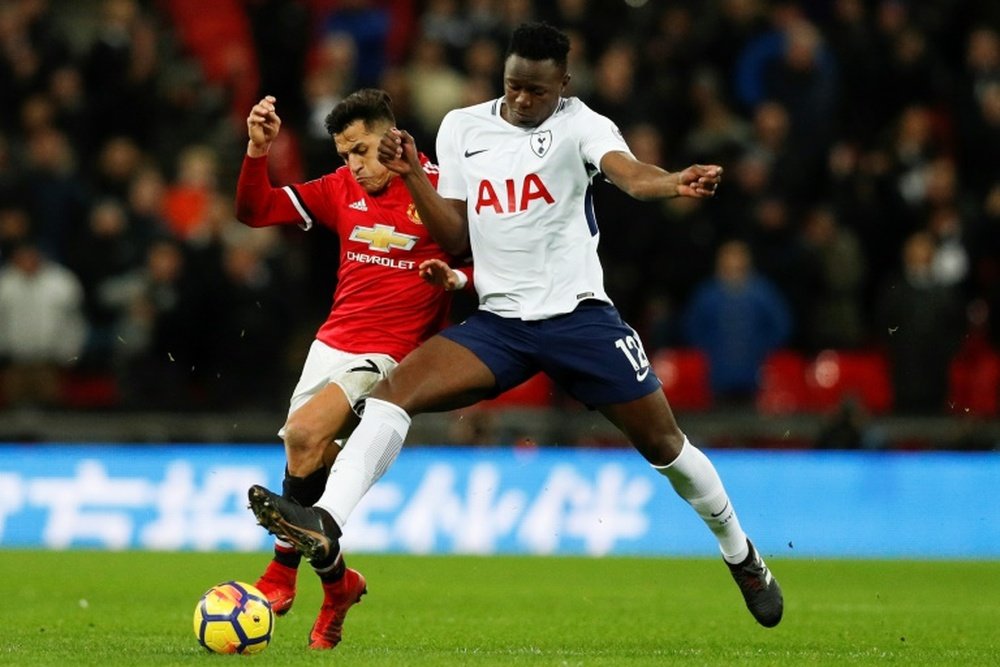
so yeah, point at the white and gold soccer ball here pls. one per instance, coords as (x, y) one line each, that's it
(233, 617)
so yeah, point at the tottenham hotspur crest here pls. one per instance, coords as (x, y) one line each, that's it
(540, 142)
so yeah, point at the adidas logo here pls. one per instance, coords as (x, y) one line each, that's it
(359, 205)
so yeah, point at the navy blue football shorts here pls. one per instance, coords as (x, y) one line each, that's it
(590, 353)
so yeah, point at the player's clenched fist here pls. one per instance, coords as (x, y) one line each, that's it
(699, 180)
(398, 152)
(263, 125)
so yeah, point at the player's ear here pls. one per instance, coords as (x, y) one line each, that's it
(565, 80)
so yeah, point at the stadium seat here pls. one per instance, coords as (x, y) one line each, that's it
(83, 390)
(834, 376)
(783, 388)
(535, 392)
(974, 384)
(684, 374)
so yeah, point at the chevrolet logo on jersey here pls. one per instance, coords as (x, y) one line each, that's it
(383, 238)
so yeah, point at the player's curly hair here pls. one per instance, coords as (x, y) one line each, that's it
(539, 41)
(370, 105)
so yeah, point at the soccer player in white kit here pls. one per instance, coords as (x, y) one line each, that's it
(514, 185)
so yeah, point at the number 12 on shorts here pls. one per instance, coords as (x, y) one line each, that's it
(631, 347)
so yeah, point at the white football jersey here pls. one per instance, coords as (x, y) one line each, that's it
(531, 218)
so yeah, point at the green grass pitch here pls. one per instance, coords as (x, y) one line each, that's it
(135, 608)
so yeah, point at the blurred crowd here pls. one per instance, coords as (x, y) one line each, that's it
(860, 208)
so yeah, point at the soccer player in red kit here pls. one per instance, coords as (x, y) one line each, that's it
(388, 300)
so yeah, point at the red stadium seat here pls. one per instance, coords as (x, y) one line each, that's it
(783, 388)
(82, 390)
(835, 376)
(974, 384)
(684, 374)
(535, 392)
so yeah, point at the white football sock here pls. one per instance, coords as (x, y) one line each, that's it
(695, 479)
(369, 452)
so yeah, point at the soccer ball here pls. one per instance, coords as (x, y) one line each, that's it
(233, 617)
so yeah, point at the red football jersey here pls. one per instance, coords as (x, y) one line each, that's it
(380, 304)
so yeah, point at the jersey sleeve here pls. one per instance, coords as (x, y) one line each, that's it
(314, 198)
(599, 136)
(260, 204)
(451, 183)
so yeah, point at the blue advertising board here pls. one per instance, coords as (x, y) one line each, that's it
(519, 501)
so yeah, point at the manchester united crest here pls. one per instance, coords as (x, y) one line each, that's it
(411, 213)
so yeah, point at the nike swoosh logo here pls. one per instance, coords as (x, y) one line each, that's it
(641, 375)
(471, 153)
(716, 515)
(369, 367)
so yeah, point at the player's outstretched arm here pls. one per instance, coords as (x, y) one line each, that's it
(445, 219)
(647, 181)
(263, 125)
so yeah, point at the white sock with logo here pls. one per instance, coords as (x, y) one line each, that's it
(366, 456)
(695, 479)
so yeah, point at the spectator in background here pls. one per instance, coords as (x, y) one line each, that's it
(69, 104)
(15, 228)
(117, 162)
(120, 72)
(435, 86)
(42, 326)
(626, 280)
(912, 71)
(615, 93)
(329, 80)
(55, 196)
(737, 318)
(9, 174)
(985, 245)
(31, 47)
(951, 256)
(780, 255)
(105, 250)
(851, 36)
(252, 324)
(834, 318)
(145, 203)
(187, 198)
(582, 84)
(920, 321)
(396, 83)
(156, 327)
(483, 61)
(282, 36)
(443, 21)
(367, 23)
(981, 139)
(718, 133)
(793, 66)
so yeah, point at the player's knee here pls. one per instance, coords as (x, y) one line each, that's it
(303, 442)
(662, 447)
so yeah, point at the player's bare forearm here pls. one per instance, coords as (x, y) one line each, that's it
(446, 224)
(649, 182)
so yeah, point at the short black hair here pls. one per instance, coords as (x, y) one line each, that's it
(368, 104)
(539, 41)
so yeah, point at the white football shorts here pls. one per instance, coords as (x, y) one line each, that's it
(355, 374)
